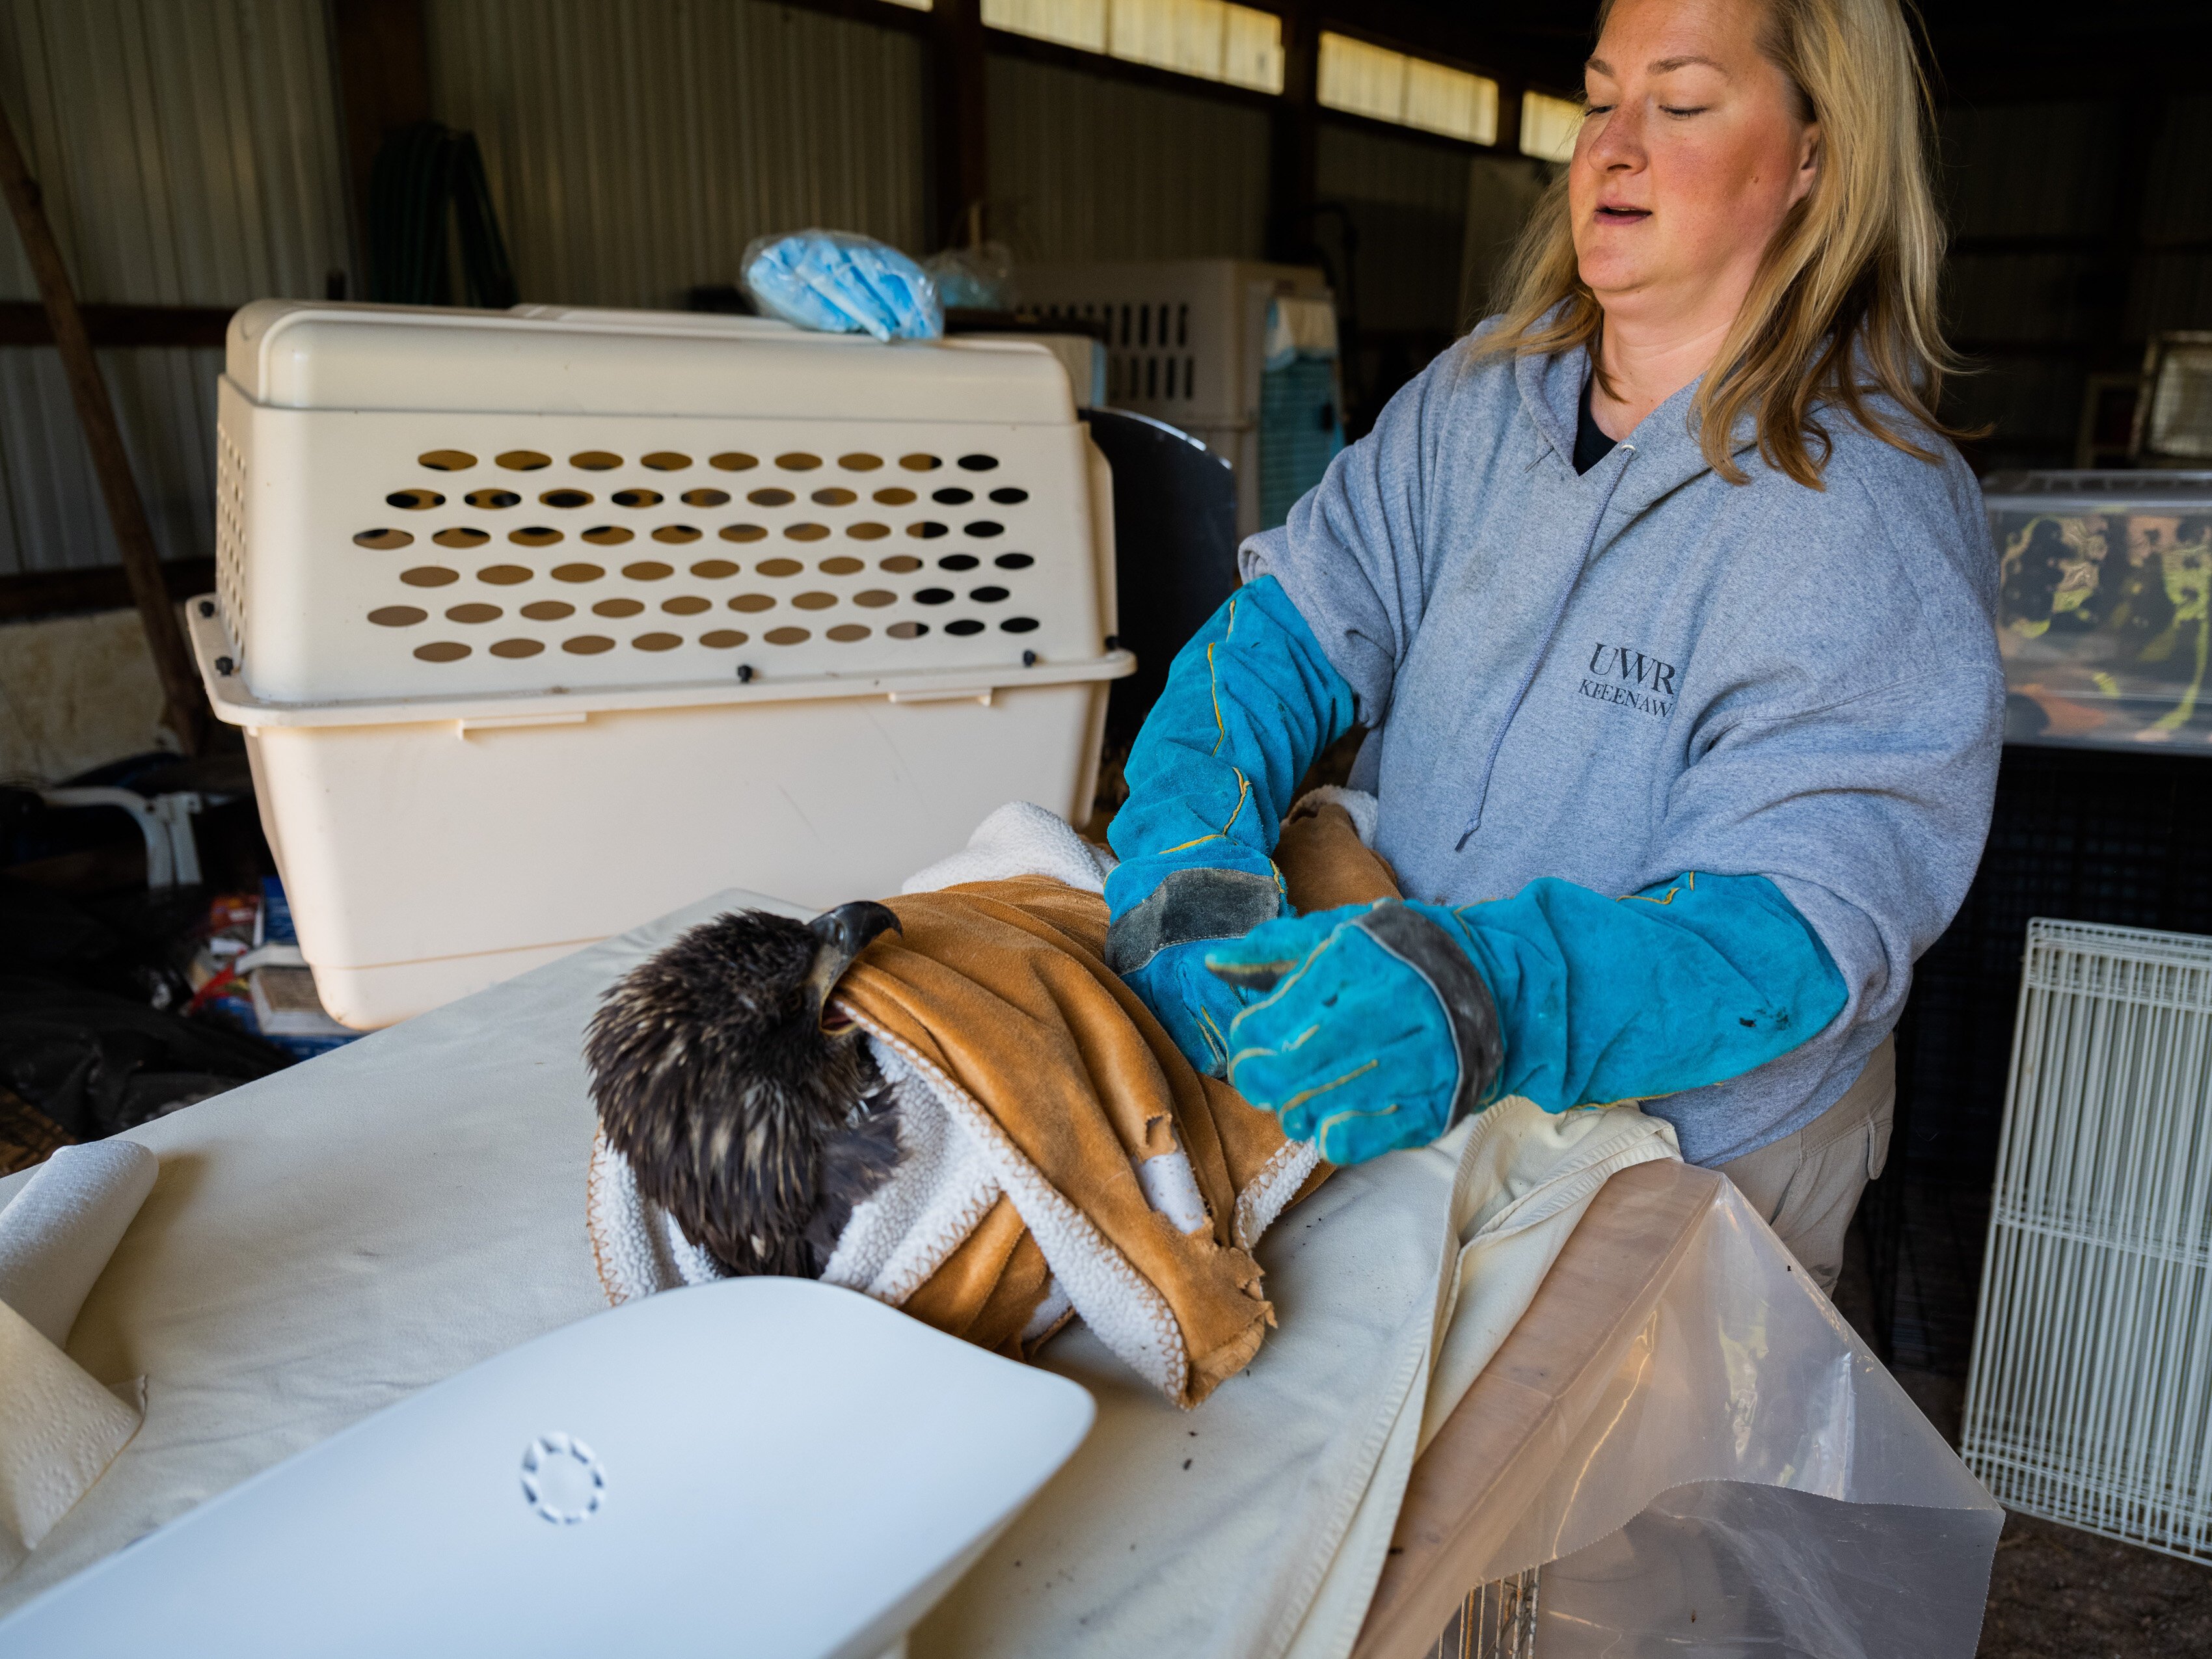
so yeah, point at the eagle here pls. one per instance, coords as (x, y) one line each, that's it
(745, 1106)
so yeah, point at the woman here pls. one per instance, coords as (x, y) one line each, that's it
(1667, 584)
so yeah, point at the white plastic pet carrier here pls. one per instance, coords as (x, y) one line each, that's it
(2090, 1398)
(1187, 345)
(542, 623)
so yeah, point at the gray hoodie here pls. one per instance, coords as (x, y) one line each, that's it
(1615, 677)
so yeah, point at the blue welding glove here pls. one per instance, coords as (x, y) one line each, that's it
(1248, 704)
(1375, 1027)
(835, 283)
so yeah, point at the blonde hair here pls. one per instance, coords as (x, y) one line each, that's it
(1842, 308)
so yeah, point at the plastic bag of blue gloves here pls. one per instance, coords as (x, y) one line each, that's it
(835, 283)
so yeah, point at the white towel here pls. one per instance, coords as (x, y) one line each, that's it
(59, 1430)
(1019, 839)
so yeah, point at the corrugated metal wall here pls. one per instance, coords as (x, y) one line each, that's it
(1083, 167)
(635, 149)
(188, 150)
(1409, 201)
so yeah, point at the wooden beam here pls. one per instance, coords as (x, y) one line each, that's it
(382, 54)
(959, 122)
(23, 322)
(126, 511)
(1294, 137)
(104, 587)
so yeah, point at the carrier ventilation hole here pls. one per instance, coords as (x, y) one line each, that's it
(876, 598)
(525, 460)
(786, 636)
(964, 627)
(841, 566)
(442, 651)
(566, 498)
(617, 608)
(384, 540)
(900, 564)
(983, 529)
(636, 498)
(798, 461)
(744, 532)
(771, 498)
(473, 613)
(461, 537)
(446, 460)
(648, 570)
(806, 533)
(665, 460)
(868, 532)
(414, 500)
(705, 498)
(429, 575)
(588, 645)
(398, 616)
(953, 497)
(608, 535)
(722, 639)
(920, 463)
(503, 575)
(1010, 497)
(894, 497)
(577, 572)
(934, 596)
(1013, 562)
(816, 601)
(676, 532)
(845, 633)
(492, 499)
(859, 462)
(689, 605)
(752, 602)
(833, 498)
(714, 570)
(779, 567)
(537, 535)
(548, 610)
(958, 561)
(594, 461)
(1018, 625)
(987, 595)
(927, 529)
(979, 463)
(733, 461)
(906, 630)
(517, 648)
(657, 642)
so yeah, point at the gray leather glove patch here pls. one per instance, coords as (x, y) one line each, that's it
(1192, 904)
(1434, 954)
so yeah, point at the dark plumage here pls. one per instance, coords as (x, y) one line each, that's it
(746, 1117)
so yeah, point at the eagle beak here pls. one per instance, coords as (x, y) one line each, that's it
(844, 933)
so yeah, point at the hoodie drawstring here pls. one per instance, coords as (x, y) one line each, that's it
(1559, 615)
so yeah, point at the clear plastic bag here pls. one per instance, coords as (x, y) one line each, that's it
(835, 283)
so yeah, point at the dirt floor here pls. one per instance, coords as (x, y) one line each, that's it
(2055, 1592)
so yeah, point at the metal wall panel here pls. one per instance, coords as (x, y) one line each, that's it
(1085, 168)
(189, 152)
(635, 149)
(1409, 202)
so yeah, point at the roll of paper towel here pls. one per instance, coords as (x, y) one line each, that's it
(59, 1429)
(58, 1234)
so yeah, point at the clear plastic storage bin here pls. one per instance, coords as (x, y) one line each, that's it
(2101, 616)
(543, 623)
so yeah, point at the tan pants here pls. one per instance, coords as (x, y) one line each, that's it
(1806, 1185)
